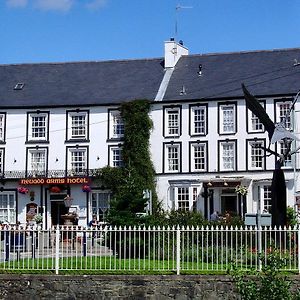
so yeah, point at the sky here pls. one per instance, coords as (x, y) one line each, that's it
(35, 31)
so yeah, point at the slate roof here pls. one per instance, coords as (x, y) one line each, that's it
(113, 82)
(264, 73)
(81, 83)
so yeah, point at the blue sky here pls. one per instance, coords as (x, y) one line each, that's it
(84, 30)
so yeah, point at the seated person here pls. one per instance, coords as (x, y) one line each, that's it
(93, 222)
(214, 216)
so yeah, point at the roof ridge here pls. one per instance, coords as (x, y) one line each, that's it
(243, 52)
(84, 62)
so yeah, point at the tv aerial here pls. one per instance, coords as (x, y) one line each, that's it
(177, 9)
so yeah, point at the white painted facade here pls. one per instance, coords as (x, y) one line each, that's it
(180, 187)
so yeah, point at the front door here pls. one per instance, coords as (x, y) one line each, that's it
(229, 204)
(58, 209)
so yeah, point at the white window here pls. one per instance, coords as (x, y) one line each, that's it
(77, 161)
(284, 148)
(184, 197)
(7, 207)
(282, 109)
(37, 161)
(227, 118)
(254, 123)
(116, 157)
(172, 159)
(100, 204)
(2, 127)
(198, 120)
(172, 122)
(116, 125)
(77, 125)
(198, 157)
(256, 158)
(267, 198)
(227, 156)
(38, 126)
(1, 160)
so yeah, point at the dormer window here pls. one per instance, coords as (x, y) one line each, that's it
(19, 86)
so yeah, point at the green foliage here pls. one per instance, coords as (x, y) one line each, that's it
(176, 218)
(291, 216)
(128, 182)
(136, 148)
(268, 284)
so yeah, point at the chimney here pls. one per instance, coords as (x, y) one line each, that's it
(173, 51)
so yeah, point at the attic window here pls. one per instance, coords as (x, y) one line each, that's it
(19, 86)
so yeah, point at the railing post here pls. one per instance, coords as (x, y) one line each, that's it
(7, 244)
(178, 244)
(57, 250)
(84, 242)
(259, 246)
(298, 249)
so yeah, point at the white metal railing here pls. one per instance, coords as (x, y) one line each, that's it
(146, 249)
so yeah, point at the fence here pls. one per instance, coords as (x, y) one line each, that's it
(146, 249)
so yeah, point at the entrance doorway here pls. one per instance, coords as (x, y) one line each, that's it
(229, 203)
(58, 208)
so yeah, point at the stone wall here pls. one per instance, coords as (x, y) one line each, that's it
(117, 287)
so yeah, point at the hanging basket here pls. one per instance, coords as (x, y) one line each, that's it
(55, 189)
(23, 190)
(86, 188)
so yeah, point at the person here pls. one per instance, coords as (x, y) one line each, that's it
(214, 216)
(76, 218)
(93, 223)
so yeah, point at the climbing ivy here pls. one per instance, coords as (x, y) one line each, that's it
(137, 174)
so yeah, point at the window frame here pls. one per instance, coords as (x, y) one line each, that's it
(288, 164)
(166, 163)
(112, 115)
(193, 196)
(70, 137)
(166, 127)
(221, 126)
(277, 112)
(115, 163)
(221, 158)
(95, 210)
(11, 212)
(29, 135)
(250, 116)
(266, 202)
(192, 109)
(3, 128)
(2, 160)
(29, 169)
(81, 171)
(192, 156)
(249, 156)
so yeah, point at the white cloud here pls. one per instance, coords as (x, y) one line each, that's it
(58, 5)
(96, 4)
(16, 3)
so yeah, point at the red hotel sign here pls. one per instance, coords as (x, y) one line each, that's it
(42, 181)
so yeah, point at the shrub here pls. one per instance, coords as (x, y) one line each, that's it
(268, 284)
